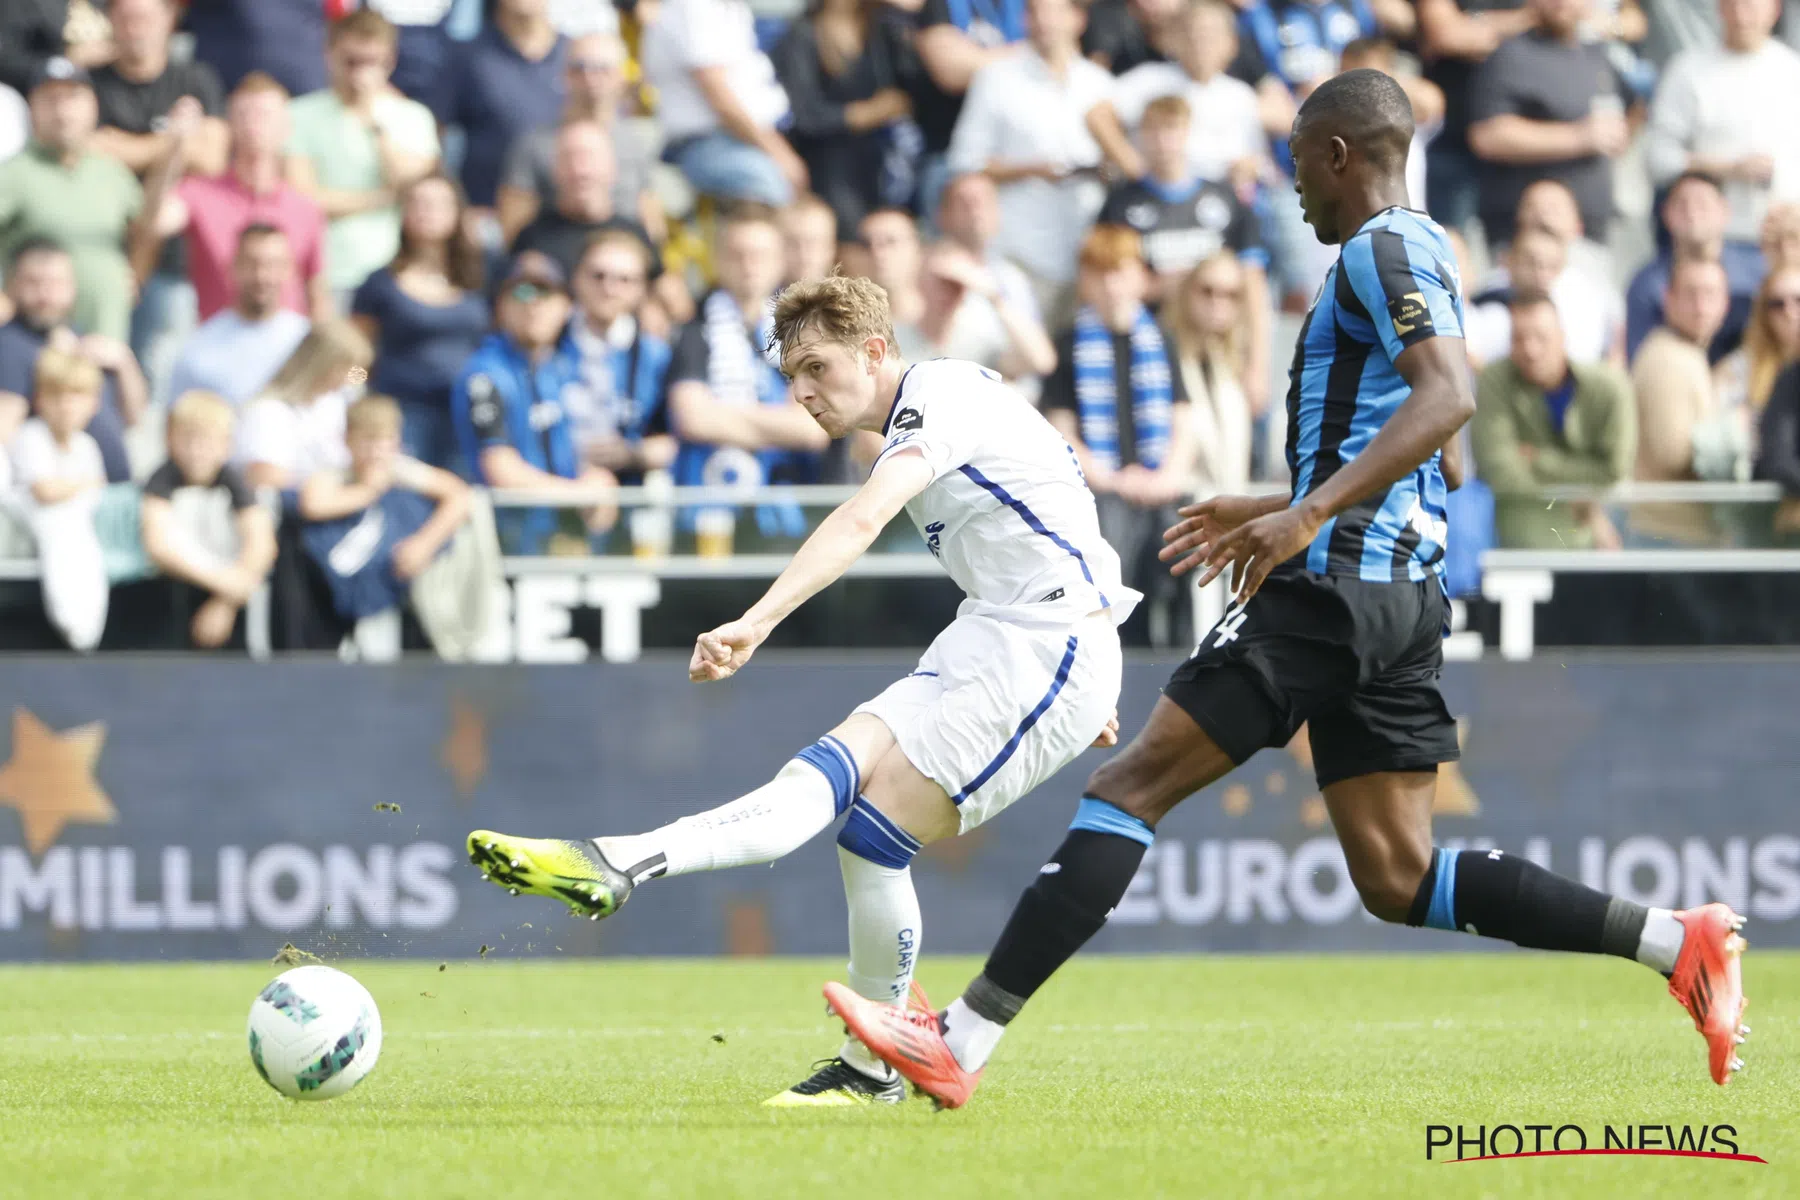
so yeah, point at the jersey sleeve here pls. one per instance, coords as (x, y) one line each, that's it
(1409, 293)
(928, 418)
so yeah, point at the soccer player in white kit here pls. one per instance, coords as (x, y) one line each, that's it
(1025, 678)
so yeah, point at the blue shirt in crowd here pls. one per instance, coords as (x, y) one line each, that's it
(420, 350)
(19, 348)
(286, 38)
(501, 399)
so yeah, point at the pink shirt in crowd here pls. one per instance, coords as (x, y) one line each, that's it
(221, 208)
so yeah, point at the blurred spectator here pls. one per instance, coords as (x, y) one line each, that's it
(508, 406)
(1728, 111)
(422, 55)
(213, 213)
(1124, 34)
(1538, 262)
(1185, 219)
(355, 147)
(1780, 239)
(141, 93)
(1542, 421)
(58, 469)
(843, 66)
(235, 353)
(1695, 213)
(1209, 335)
(32, 32)
(284, 39)
(1548, 204)
(61, 188)
(1226, 137)
(728, 402)
(809, 232)
(616, 404)
(295, 426)
(1024, 125)
(1683, 432)
(142, 85)
(1455, 38)
(1116, 399)
(583, 206)
(425, 312)
(719, 102)
(41, 283)
(502, 85)
(969, 216)
(1772, 341)
(583, 18)
(596, 87)
(375, 524)
(1547, 105)
(1427, 101)
(954, 40)
(1300, 40)
(1778, 453)
(220, 540)
(15, 122)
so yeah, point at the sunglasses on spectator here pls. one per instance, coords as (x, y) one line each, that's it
(1207, 291)
(527, 292)
(1792, 301)
(358, 62)
(596, 65)
(599, 276)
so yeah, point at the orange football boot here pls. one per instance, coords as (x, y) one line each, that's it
(1708, 980)
(912, 1042)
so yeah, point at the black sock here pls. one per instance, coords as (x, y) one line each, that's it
(1054, 918)
(1503, 896)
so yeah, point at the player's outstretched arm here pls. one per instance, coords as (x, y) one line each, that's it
(840, 540)
(1440, 404)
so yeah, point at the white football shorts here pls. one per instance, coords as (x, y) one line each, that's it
(995, 709)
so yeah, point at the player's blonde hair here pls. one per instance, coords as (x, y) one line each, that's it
(375, 415)
(837, 308)
(202, 410)
(60, 373)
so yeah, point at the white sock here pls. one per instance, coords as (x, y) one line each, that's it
(884, 927)
(862, 1059)
(1660, 943)
(776, 819)
(971, 1036)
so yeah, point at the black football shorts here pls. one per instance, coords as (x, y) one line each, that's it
(1355, 661)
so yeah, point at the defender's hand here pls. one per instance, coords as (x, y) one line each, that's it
(719, 654)
(1203, 523)
(1110, 735)
(1259, 547)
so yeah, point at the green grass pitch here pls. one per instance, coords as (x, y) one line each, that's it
(1219, 1076)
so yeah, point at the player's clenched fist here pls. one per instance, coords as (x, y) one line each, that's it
(719, 653)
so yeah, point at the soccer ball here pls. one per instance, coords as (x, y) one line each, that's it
(314, 1033)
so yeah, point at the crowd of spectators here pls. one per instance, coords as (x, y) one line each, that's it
(363, 254)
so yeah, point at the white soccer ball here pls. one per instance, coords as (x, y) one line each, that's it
(314, 1033)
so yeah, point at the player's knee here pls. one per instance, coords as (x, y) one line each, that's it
(1387, 889)
(1120, 783)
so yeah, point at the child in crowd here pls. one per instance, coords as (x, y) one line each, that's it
(59, 472)
(200, 520)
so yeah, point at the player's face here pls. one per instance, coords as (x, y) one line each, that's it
(1318, 163)
(832, 382)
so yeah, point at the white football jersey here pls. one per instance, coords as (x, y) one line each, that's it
(1007, 513)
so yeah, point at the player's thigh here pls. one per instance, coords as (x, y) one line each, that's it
(907, 797)
(1169, 760)
(1383, 822)
(1267, 666)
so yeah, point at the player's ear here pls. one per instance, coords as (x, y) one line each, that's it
(875, 351)
(1340, 153)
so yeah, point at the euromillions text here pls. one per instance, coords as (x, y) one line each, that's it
(1482, 1143)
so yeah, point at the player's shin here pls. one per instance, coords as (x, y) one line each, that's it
(1491, 894)
(807, 794)
(875, 855)
(1068, 903)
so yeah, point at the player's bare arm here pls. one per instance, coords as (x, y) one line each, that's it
(1441, 403)
(1205, 521)
(840, 540)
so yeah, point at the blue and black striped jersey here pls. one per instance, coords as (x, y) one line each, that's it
(1394, 285)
